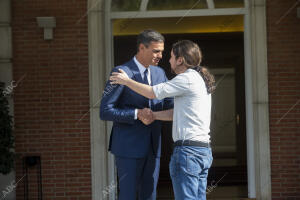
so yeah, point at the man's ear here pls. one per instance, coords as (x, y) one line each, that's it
(141, 47)
(179, 61)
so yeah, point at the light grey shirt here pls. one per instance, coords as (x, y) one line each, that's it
(192, 106)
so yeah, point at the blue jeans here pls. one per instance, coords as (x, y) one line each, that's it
(188, 170)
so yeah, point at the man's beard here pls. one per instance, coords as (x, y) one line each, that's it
(172, 71)
(177, 68)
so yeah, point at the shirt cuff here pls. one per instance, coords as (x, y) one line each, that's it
(135, 114)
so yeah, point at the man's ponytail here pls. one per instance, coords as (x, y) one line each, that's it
(207, 77)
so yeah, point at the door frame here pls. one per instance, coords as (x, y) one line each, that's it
(256, 86)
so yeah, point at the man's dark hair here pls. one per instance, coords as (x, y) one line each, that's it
(148, 36)
(192, 57)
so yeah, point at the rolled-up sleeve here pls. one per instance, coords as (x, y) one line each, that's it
(175, 87)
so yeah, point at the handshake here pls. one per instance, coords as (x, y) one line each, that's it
(146, 116)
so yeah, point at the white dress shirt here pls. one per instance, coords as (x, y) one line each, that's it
(142, 71)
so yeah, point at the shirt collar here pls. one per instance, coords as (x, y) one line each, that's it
(140, 66)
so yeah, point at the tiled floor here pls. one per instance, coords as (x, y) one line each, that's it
(165, 192)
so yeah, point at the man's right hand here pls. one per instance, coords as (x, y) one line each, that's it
(145, 115)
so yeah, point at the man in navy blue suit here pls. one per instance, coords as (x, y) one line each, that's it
(137, 146)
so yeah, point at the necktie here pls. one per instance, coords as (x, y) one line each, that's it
(146, 77)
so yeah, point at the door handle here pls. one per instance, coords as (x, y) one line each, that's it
(237, 119)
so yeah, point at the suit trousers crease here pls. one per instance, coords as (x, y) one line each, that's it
(138, 177)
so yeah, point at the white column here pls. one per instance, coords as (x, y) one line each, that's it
(249, 104)
(97, 69)
(260, 104)
(109, 63)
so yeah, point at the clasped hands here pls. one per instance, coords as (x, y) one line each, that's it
(146, 116)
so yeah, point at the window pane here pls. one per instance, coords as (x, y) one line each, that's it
(125, 5)
(229, 3)
(176, 4)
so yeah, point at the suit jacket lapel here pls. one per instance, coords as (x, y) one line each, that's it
(152, 77)
(151, 74)
(136, 75)
(136, 72)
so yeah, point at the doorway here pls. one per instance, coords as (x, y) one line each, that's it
(101, 61)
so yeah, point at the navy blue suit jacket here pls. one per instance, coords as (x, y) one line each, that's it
(130, 137)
